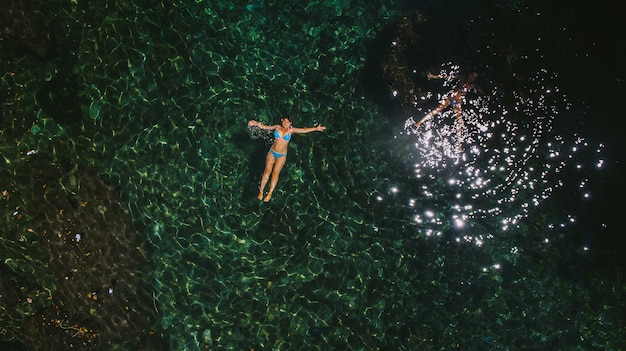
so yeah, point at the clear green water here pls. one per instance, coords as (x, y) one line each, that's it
(379, 236)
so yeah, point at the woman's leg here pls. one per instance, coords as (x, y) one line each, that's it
(430, 114)
(269, 163)
(278, 166)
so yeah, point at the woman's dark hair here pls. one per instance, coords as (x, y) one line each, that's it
(289, 118)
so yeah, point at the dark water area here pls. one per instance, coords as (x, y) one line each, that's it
(560, 35)
(129, 214)
(590, 59)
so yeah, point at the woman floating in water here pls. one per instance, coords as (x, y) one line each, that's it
(277, 155)
(455, 99)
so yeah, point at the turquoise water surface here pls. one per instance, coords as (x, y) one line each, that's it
(129, 181)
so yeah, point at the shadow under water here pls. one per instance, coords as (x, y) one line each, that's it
(75, 272)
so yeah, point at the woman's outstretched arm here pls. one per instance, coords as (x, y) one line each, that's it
(253, 123)
(317, 128)
(435, 76)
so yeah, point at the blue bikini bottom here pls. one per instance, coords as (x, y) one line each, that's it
(276, 154)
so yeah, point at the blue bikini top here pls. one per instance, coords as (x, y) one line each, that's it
(285, 137)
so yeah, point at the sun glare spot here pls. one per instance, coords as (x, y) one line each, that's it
(459, 223)
(508, 167)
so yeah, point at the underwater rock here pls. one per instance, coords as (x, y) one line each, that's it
(24, 26)
(100, 296)
(391, 69)
(396, 65)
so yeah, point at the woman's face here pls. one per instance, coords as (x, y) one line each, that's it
(286, 123)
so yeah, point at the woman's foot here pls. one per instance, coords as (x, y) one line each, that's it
(260, 196)
(268, 197)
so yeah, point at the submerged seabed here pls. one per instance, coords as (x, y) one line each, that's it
(130, 213)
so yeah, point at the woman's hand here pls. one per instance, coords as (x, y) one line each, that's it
(320, 128)
(253, 123)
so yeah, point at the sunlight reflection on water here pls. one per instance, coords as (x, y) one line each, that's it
(512, 159)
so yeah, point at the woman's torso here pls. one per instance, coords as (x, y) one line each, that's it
(282, 136)
(460, 91)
